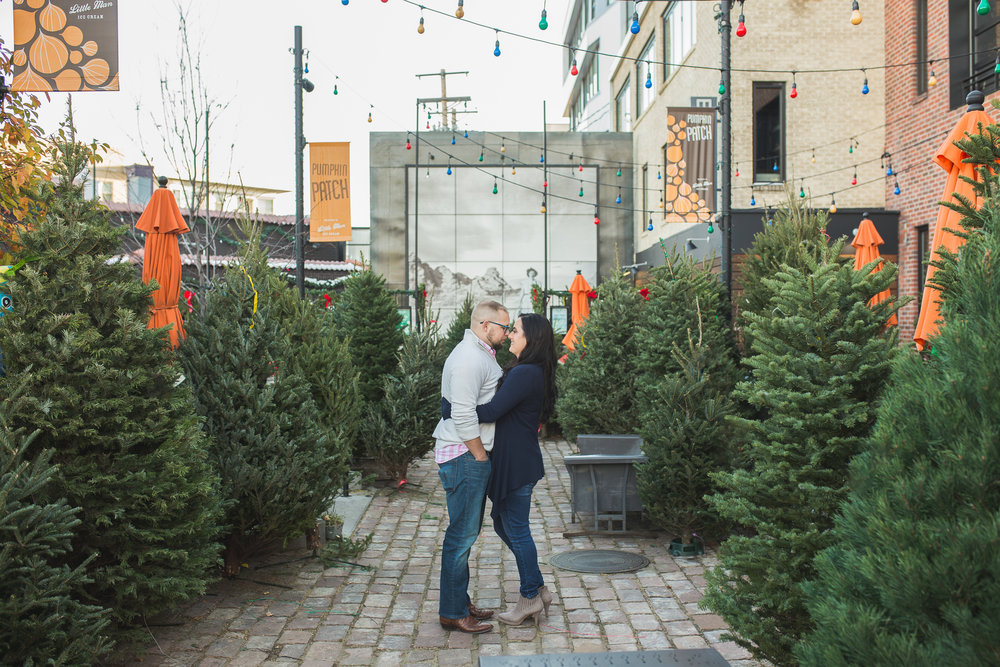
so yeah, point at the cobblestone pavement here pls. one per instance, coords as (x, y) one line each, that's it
(290, 610)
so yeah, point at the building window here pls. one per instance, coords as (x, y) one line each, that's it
(972, 41)
(922, 67)
(646, 68)
(768, 132)
(106, 190)
(923, 236)
(678, 34)
(645, 181)
(265, 206)
(623, 107)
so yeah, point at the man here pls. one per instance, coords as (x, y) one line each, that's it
(461, 451)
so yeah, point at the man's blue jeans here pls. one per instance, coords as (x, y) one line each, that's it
(511, 524)
(464, 480)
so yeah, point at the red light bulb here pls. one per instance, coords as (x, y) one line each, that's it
(854, 180)
(581, 166)
(741, 28)
(737, 172)
(408, 146)
(545, 184)
(573, 70)
(795, 91)
(597, 220)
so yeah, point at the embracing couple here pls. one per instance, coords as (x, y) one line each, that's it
(487, 445)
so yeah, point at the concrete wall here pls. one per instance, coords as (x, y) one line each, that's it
(469, 240)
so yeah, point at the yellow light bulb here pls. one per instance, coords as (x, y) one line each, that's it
(459, 12)
(369, 117)
(833, 208)
(543, 208)
(420, 28)
(856, 17)
(932, 81)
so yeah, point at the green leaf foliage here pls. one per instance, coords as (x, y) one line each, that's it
(820, 360)
(101, 390)
(597, 384)
(912, 574)
(279, 467)
(42, 620)
(687, 357)
(397, 430)
(366, 316)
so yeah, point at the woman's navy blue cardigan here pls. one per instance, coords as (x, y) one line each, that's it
(516, 408)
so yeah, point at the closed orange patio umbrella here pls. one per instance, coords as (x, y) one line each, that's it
(581, 308)
(949, 158)
(162, 222)
(866, 243)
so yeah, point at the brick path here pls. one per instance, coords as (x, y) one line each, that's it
(298, 612)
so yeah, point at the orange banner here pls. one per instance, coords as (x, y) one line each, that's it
(330, 191)
(65, 45)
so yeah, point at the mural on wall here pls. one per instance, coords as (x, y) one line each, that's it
(65, 45)
(689, 187)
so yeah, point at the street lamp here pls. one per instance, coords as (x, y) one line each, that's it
(300, 145)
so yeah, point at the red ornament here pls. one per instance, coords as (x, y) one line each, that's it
(327, 297)
(188, 294)
(591, 294)
(424, 293)
(645, 293)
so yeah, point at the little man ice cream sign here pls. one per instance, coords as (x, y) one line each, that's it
(330, 191)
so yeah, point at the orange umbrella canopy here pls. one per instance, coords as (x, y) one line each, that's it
(866, 243)
(949, 158)
(581, 308)
(162, 222)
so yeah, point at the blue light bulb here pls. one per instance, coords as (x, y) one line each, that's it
(453, 140)
(305, 70)
(649, 80)
(774, 167)
(344, 2)
(449, 170)
(466, 134)
(659, 176)
(635, 23)
(888, 172)
(618, 200)
(753, 202)
(896, 190)
(649, 227)
(541, 158)
(496, 50)
(864, 88)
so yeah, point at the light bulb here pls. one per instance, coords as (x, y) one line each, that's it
(460, 12)
(722, 87)
(545, 184)
(573, 70)
(597, 220)
(480, 156)
(753, 201)
(453, 140)
(305, 70)
(856, 13)
(449, 170)
(896, 189)
(496, 49)
(649, 79)
(864, 87)
(494, 187)
(420, 28)
(334, 89)
(833, 205)
(369, 116)
(543, 24)
(933, 80)
(649, 227)
(813, 160)
(634, 28)
(888, 171)
(581, 166)
(541, 157)
(984, 8)
(659, 176)
(741, 27)
(795, 91)
(503, 147)
(345, 2)
(710, 228)
(774, 167)
(543, 206)
(619, 174)
(854, 179)
(466, 134)
(408, 146)
(618, 199)
(513, 170)
(737, 172)
(802, 192)
(581, 191)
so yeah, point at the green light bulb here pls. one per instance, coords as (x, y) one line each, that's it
(711, 229)
(802, 193)
(722, 88)
(984, 8)
(494, 187)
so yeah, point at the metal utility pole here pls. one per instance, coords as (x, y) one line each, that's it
(545, 196)
(300, 145)
(726, 115)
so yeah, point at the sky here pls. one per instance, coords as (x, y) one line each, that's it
(372, 46)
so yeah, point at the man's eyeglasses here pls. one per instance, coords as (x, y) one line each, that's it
(505, 327)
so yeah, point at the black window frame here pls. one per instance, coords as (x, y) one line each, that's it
(923, 255)
(771, 176)
(972, 48)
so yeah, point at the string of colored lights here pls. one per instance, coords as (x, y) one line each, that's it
(825, 70)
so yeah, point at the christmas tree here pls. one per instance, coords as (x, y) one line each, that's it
(821, 356)
(279, 468)
(687, 359)
(597, 384)
(105, 395)
(366, 316)
(42, 620)
(459, 323)
(796, 237)
(912, 575)
(396, 430)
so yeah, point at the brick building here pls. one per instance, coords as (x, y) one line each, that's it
(921, 109)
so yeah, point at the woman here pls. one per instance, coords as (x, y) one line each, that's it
(525, 398)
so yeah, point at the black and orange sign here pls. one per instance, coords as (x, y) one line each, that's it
(689, 188)
(330, 191)
(65, 45)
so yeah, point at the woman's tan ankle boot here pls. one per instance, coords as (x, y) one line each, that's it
(525, 608)
(546, 596)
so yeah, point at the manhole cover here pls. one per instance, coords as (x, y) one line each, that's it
(599, 561)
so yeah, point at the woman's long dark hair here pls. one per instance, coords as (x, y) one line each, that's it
(539, 348)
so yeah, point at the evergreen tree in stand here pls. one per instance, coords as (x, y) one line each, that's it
(912, 576)
(821, 358)
(597, 384)
(278, 466)
(106, 397)
(42, 620)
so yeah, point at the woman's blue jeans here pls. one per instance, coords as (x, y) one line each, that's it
(464, 480)
(510, 522)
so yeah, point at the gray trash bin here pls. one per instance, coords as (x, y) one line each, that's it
(602, 477)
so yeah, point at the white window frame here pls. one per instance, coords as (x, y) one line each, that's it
(679, 34)
(623, 101)
(645, 96)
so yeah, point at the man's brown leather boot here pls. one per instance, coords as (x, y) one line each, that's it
(467, 624)
(480, 614)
